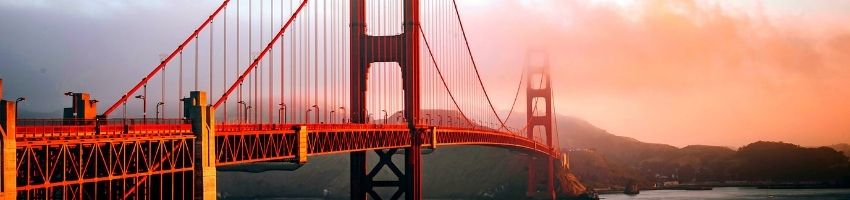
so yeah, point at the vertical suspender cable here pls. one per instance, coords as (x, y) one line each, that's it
(271, 63)
(262, 53)
(180, 89)
(259, 113)
(224, 73)
(239, 92)
(162, 94)
(292, 66)
(475, 66)
(282, 78)
(196, 63)
(316, 58)
(325, 59)
(212, 29)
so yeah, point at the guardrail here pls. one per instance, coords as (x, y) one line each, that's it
(41, 128)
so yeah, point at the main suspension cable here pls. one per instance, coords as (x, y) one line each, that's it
(475, 66)
(439, 72)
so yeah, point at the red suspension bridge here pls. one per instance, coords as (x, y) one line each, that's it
(283, 81)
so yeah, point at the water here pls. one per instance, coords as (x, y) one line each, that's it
(736, 193)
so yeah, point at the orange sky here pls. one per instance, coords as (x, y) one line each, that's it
(682, 72)
(677, 72)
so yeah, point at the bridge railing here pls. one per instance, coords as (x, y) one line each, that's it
(42, 128)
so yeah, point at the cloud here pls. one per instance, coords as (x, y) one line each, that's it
(89, 8)
(679, 72)
(658, 70)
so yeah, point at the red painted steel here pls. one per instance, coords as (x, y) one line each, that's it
(260, 56)
(105, 167)
(154, 158)
(82, 164)
(164, 62)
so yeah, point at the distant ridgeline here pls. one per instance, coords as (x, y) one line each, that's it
(601, 159)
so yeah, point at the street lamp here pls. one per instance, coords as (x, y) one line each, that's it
(317, 113)
(245, 113)
(73, 104)
(16, 105)
(158, 105)
(429, 118)
(307, 115)
(247, 109)
(282, 112)
(333, 116)
(343, 114)
(144, 106)
(385, 116)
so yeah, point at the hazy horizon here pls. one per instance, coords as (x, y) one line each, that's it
(723, 73)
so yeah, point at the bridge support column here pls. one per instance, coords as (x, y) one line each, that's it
(404, 50)
(302, 142)
(203, 125)
(8, 187)
(540, 120)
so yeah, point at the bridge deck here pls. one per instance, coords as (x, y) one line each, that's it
(62, 154)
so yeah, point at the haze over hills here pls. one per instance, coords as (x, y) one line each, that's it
(601, 159)
(843, 147)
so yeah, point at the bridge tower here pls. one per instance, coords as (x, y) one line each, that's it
(8, 160)
(539, 93)
(404, 50)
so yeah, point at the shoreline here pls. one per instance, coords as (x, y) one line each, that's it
(711, 187)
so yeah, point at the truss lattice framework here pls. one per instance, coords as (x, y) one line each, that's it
(106, 168)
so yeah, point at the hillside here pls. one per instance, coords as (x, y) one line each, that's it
(601, 159)
(845, 148)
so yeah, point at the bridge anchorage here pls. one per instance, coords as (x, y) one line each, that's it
(83, 156)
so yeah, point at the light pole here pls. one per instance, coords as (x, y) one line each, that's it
(343, 114)
(124, 106)
(158, 105)
(317, 113)
(333, 116)
(385, 116)
(282, 113)
(441, 119)
(247, 110)
(144, 106)
(307, 115)
(429, 118)
(245, 113)
(74, 105)
(369, 118)
(16, 105)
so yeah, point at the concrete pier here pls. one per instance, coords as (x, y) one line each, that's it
(203, 125)
(8, 162)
